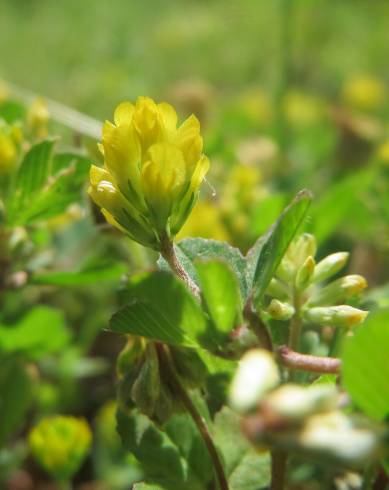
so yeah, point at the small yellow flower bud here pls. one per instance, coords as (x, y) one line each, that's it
(279, 310)
(256, 375)
(339, 290)
(305, 273)
(60, 444)
(335, 316)
(329, 266)
(154, 170)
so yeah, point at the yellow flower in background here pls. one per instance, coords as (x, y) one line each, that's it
(37, 118)
(152, 171)
(8, 150)
(60, 444)
(364, 93)
(205, 222)
(303, 109)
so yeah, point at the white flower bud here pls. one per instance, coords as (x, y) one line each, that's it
(294, 402)
(335, 434)
(256, 375)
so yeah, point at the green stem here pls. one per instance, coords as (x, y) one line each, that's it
(295, 324)
(257, 326)
(278, 470)
(178, 389)
(169, 254)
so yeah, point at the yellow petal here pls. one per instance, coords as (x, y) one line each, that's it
(189, 141)
(201, 170)
(123, 113)
(169, 116)
(122, 154)
(97, 174)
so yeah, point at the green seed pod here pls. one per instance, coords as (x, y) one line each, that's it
(146, 388)
(335, 316)
(280, 311)
(305, 273)
(338, 291)
(189, 366)
(329, 266)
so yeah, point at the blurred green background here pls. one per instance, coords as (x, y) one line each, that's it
(91, 54)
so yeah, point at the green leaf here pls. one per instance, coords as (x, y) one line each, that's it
(245, 467)
(45, 186)
(265, 256)
(220, 291)
(15, 397)
(104, 273)
(41, 331)
(192, 249)
(338, 202)
(165, 456)
(162, 309)
(32, 174)
(365, 366)
(12, 111)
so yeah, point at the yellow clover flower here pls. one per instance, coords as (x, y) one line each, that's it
(152, 171)
(60, 444)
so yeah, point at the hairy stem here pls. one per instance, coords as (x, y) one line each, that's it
(278, 470)
(169, 254)
(257, 326)
(179, 390)
(305, 362)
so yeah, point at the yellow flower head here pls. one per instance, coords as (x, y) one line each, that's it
(152, 170)
(60, 444)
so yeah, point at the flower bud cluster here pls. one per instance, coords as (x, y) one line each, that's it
(152, 171)
(291, 417)
(298, 284)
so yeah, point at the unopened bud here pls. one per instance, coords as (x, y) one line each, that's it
(279, 310)
(329, 266)
(301, 249)
(286, 270)
(256, 375)
(335, 316)
(339, 290)
(294, 403)
(277, 289)
(305, 273)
